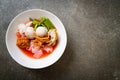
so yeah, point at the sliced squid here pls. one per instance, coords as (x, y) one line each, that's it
(53, 34)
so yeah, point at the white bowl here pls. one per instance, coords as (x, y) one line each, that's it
(20, 57)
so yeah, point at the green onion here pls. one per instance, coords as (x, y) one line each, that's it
(35, 27)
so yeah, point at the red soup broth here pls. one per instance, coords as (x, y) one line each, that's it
(31, 55)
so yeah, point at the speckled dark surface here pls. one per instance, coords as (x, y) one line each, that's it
(93, 49)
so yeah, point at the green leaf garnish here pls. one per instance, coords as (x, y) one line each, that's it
(45, 22)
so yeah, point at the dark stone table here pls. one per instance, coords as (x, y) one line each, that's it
(93, 48)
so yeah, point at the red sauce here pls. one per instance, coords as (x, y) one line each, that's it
(31, 55)
(26, 52)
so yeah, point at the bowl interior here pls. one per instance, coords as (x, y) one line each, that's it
(21, 58)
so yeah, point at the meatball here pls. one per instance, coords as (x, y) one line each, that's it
(29, 32)
(41, 31)
(23, 42)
